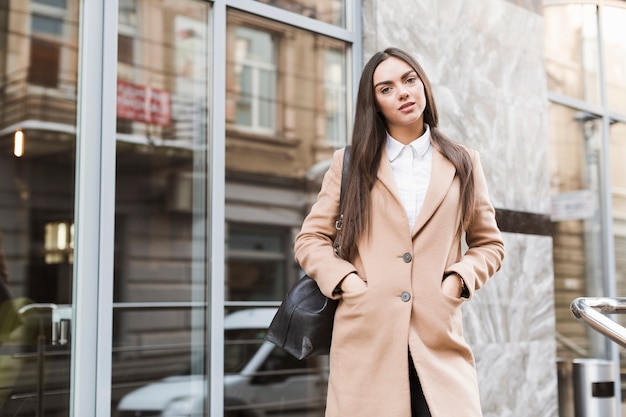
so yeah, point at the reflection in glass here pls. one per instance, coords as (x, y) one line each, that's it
(618, 196)
(155, 366)
(286, 113)
(56, 3)
(256, 264)
(160, 317)
(255, 70)
(285, 98)
(263, 378)
(329, 11)
(571, 51)
(38, 102)
(613, 35)
(335, 96)
(574, 146)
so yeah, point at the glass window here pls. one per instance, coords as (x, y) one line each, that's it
(613, 35)
(54, 3)
(59, 242)
(255, 71)
(127, 15)
(574, 146)
(256, 264)
(160, 267)
(329, 11)
(37, 200)
(44, 63)
(285, 88)
(263, 379)
(571, 51)
(296, 80)
(45, 24)
(618, 196)
(125, 49)
(335, 95)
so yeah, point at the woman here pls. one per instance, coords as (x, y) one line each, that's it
(412, 196)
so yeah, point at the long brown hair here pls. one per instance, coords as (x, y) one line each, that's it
(369, 136)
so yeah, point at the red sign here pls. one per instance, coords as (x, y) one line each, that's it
(143, 104)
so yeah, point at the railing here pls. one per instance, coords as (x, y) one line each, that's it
(592, 311)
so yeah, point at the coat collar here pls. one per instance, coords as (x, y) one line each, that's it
(443, 173)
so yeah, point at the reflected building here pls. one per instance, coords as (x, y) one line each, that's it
(149, 200)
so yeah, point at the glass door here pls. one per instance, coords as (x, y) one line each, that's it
(38, 98)
(160, 315)
(286, 112)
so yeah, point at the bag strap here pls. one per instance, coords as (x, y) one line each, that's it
(344, 180)
(344, 175)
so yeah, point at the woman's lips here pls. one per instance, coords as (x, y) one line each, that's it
(406, 106)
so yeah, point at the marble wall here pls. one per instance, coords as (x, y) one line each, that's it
(485, 61)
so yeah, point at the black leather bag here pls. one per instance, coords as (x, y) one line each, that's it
(303, 324)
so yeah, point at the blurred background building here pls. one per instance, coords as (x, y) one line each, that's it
(157, 158)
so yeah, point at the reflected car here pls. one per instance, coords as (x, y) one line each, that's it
(260, 379)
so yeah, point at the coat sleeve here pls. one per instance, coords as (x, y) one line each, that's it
(485, 248)
(314, 243)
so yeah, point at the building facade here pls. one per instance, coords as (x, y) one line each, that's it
(157, 158)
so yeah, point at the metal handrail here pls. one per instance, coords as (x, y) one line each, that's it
(592, 311)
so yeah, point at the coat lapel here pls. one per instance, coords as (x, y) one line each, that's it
(387, 180)
(385, 176)
(442, 175)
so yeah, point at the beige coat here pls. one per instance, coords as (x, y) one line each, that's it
(374, 328)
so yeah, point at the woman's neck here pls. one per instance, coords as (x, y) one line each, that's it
(407, 134)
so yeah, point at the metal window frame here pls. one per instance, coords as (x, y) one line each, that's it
(94, 211)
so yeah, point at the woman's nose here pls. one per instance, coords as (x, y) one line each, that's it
(403, 94)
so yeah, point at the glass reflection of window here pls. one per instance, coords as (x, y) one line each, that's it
(255, 72)
(614, 33)
(256, 265)
(54, 3)
(127, 30)
(329, 11)
(59, 242)
(335, 94)
(574, 145)
(46, 24)
(571, 51)
(618, 194)
(239, 347)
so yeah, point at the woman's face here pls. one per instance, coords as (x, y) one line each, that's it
(400, 97)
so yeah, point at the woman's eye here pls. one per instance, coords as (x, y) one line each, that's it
(411, 80)
(385, 90)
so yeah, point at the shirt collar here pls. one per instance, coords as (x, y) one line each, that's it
(420, 145)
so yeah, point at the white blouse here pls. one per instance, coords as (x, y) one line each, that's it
(411, 165)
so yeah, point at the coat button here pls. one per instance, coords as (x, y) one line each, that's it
(405, 296)
(407, 257)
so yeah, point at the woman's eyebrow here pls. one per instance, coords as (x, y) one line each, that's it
(406, 74)
(409, 72)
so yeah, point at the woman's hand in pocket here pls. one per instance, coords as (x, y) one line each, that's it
(452, 286)
(352, 283)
